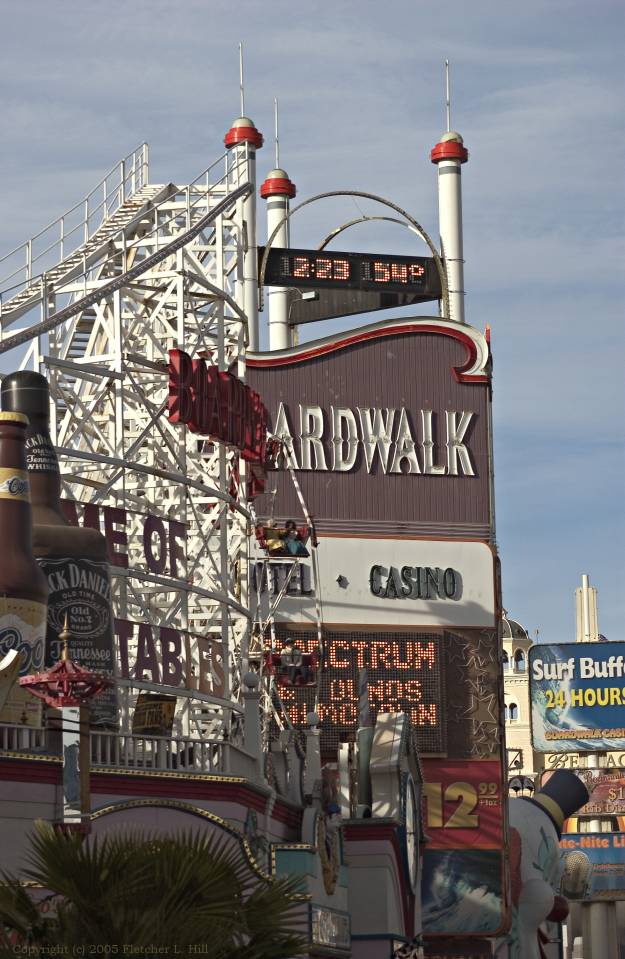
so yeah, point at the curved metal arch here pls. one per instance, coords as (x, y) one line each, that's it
(377, 199)
(362, 219)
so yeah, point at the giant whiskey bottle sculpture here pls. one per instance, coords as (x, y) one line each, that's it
(72, 558)
(23, 587)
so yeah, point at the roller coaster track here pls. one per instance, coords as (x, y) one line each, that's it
(61, 316)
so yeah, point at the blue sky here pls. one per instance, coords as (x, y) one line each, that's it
(537, 93)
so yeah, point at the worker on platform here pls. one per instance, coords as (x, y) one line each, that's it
(293, 540)
(292, 662)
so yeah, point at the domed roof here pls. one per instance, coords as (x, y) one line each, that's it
(513, 630)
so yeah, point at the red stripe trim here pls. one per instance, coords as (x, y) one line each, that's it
(449, 150)
(277, 186)
(270, 360)
(30, 771)
(244, 135)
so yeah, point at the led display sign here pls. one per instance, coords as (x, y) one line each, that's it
(314, 269)
(403, 674)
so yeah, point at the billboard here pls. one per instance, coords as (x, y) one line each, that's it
(594, 866)
(463, 892)
(577, 693)
(410, 582)
(607, 792)
(389, 427)
(462, 863)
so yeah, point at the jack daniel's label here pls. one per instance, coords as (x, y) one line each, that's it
(80, 591)
(40, 454)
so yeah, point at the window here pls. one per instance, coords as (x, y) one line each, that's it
(600, 824)
(505, 712)
(513, 712)
(506, 662)
(519, 661)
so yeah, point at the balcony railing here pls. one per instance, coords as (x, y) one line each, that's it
(160, 753)
(113, 750)
(22, 739)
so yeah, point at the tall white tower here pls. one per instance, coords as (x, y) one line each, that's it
(277, 190)
(449, 154)
(242, 140)
(586, 619)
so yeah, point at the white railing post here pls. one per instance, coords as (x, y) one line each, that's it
(86, 224)
(123, 179)
(29, 260)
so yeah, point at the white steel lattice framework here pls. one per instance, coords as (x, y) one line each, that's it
(147, 269)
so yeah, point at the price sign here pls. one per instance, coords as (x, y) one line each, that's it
(463, 803)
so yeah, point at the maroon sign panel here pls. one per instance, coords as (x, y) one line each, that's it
(388, 430)
(216, 404)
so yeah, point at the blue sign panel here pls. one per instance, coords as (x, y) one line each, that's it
(577, 693)
(594, 865)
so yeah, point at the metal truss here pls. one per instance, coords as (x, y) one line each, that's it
(163, 270)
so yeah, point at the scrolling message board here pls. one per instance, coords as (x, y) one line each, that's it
(403, 671)
(388, 427)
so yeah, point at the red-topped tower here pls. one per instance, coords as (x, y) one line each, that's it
(449, 154)
(277, 190)
(243, 140)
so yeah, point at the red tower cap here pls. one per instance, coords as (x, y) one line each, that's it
(243, 131)
(277, 184)
(450, 147)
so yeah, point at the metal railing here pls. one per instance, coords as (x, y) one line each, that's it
(63, 236)
(22, 739)
(163, 753)
(112, 750)
(184, 212)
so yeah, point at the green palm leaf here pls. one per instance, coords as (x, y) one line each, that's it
(146, 890)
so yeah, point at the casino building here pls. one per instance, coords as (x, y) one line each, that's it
(302, 552)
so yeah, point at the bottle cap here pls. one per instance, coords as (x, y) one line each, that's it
(27, 392)
(20, 418)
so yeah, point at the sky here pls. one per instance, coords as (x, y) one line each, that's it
(537, 93)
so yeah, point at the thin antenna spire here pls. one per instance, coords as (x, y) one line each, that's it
(277, 139)
(447, 96)
(241, 89)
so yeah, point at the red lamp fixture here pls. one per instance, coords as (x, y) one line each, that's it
(66, 683)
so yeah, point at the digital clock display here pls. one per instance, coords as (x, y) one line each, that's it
(314, 269)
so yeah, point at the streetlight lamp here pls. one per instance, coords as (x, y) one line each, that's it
(70, 688)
